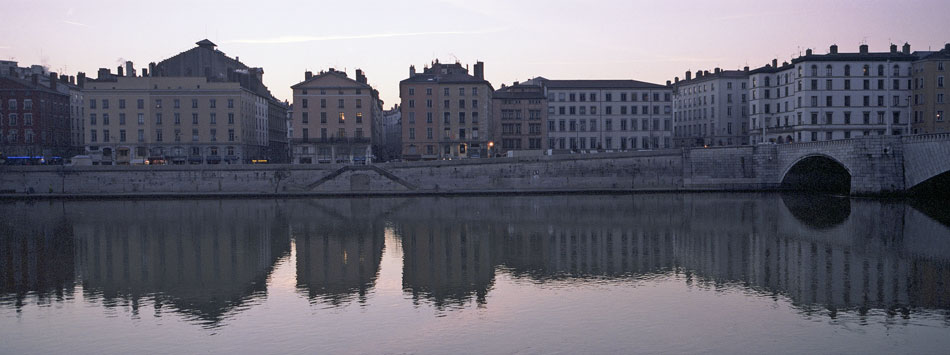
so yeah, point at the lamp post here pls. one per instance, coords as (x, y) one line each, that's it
(491, 144)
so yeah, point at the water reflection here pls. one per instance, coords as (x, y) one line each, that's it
(207, 260)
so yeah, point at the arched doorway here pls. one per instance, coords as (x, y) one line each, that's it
(818, 173)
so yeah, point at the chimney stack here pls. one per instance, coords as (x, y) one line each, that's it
(480, 70)
(893, 48)
(36, 79)
(72, 80)
(808, 51)
(689, 75)
(81, 80)
(412, 71)
(833, 49)
(52, 81)
(946, 47)
(676, 79)
(129, 70)
(360, 77)
(151, 68)
(746, 68)
(906, 49)
(863, 49)
(718, 70)
(63, 78)
(307, 75)
(120, 71)
(668, 83)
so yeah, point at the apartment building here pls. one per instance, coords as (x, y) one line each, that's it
(334, 118)
(607, 115)
(390, 146)
(176, 120)
(820, 97)
(711, 109)
(34, 118)
(66, 85)
(207, 61)
(930, 94)
(446, 112)
(519, 119)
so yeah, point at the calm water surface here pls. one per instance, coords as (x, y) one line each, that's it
(653, 273)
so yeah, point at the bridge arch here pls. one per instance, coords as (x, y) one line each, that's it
(817, 172)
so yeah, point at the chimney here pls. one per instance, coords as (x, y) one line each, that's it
(689, 75)
(863, 49)
(833, 49)
(307, 75)
(120, 71)
(699, 74)
(36, 79)
(946, 47)
(360, 77)
(52, 81)
(412, 71)
(893, 48)
(480, 70)
(676, 79)
(129, 70)
(64, 78)
(103, 73)
(746, 68)
(72, 80)
(81, 79)
(717, 70)
(144, 72)
(808, 52)
(668, 83)
(516, 83)
(906, 49)
(774, 63)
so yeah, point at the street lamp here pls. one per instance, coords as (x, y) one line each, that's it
(491, 144)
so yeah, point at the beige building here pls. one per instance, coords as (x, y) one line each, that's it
(445, 112)
(333, 118)
(174, 120)
(519, 119)
(930, 92)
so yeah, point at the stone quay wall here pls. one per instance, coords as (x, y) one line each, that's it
(878, 165)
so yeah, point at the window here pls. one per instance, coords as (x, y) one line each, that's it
(214, 135)
(323, 103)
(27, 119)
(230, 103)
(140, 118)
(92, 136)
(939, 81)
(214, 118)
(339, 103)
(12, 119)
(194, 118)
(121, 119)
(141, 135)
(194, 134)
(121, 135)
(359, 117)
(847, 70)
(105, 118)
(194, 103)
(230, 118)
(213, 103)
(342, 118)
(158, 118)
(158, 135)
(230, 137)
(105, 103)
(323, 117)
(177, 118)
(305, 103)
(177, 103)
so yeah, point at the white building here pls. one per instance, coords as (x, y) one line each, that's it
(820, 97)
(711, 109)
(607, 115)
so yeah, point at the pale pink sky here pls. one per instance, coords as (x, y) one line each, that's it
(625, 39)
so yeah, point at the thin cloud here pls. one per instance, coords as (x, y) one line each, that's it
(302, 39)
(75, 23)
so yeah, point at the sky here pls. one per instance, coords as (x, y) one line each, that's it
(650, 41)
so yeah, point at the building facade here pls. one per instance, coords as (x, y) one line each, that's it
(176, 120)
(519, 119)
(206, 61)
(711, 109)
(607, 115)
(34, 119)
(446, 112)
(930, 92)
(334, 118)
(819, 97)
(390, 146)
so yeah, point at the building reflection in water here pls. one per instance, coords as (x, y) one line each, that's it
(202, 259)
(37, 256)
(872, 255)
(339, 246)
(210, 259)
